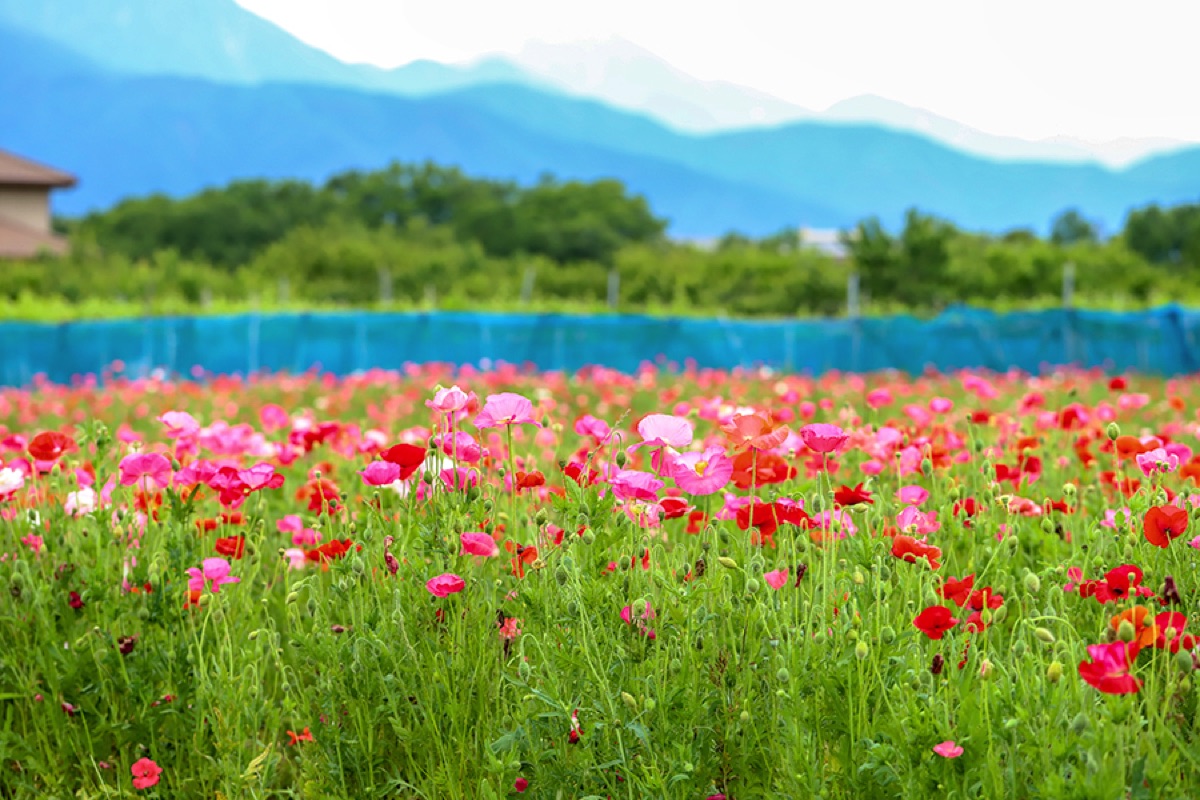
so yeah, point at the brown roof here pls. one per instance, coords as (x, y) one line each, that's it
(18, 241)
(15, 170)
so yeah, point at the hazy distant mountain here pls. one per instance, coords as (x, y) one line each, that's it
(881, 111)
(221, 41)
(630, 77)
(125, 135)
(625, 75)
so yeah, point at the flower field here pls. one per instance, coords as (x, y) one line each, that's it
(474, 584)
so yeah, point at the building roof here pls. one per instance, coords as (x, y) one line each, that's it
(17, 171)
(19, 241)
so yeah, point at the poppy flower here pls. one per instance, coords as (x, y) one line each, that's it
(776, 579)
(663, 430)
(948, 749)
(823, 438)
(756, 433)
(1164, 523)
(445, 585)
(1170, 626)
(303, 736)
(505, 409)
(529, 480)
(380, 473)
(331, 550)
(478, 544)
(408, 457)
(702, 473)
(520, 785)
(935, 621)
(49, 445)
(845, 496)
(147, 470)
(674, 507)
(906, 548)
(212, 574)
(145, 773)
(1108, 669)
(1143, 635)
(232, 546)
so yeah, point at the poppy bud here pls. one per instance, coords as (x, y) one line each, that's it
(621, 459)
(859, 578)
(727, 562)
(1000, 614)
(1069, 489)
(1054, 672)
(926, 466)
(1184, 661)
(1033, 583)
(588, 537)
(752, 586)
(819, 637)
(783, 676)
(887, 635)
(1048, 637)
(985, 668)
(744, 717)
(939, 662)
(291, 598)
(629, 700)
(861, 650)
(1079, 724)
(1019, 648)
(1113, 430)
(649, 704)
(253, 635)
(1126, 632)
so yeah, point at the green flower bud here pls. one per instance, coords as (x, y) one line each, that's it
(752, 586)
(1184, 662)
(859, 578)
(1113, 430)
(887, 635)
(1019, 648)
(1033, 583)
(744, 716)
(1044, 635)
(1126, 632)
(861, 650)
(1054, 672)
(783, 676)
(629, 700)
(621, 458)
(1079, 724)
(727, 562)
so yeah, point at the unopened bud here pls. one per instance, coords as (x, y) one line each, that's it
(887, 635)
(752, 586)
(1054, 672)
(629, 700)
(1000, 614)
(1044, 635)
(1113, 430)
(859, 578)
(1033, 583)
(1126, 632)
(727, 562)
(1184, 661)
(783, 676)
(621, 459)
(985, 668)
(1069, 489)
(861, 650)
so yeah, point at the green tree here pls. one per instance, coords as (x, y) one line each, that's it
(1070, 227)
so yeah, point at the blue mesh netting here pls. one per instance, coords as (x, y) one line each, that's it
(1163, 341)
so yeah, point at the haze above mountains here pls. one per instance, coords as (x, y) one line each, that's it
(173, 95)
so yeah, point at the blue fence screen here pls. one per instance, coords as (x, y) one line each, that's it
(1162, 341)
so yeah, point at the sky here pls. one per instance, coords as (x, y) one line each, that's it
(1095, 69)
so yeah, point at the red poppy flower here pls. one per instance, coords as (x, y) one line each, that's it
(529, 480)
(845, 496)
(408, 457)
(674, 507)
(935, 621)
(304, 736)
(958, 591)
(232, 546)
(1170, 626)
(1143, 635)
(49, 445)
(1108, 670)
(761, 469)
(1164, 523)
(333, 549)
(906, 548)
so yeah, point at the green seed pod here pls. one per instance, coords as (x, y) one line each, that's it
(1044, 635)
(783, 676)
(1033, 583)
(861, 650)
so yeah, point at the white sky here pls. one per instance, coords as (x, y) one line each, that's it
(1096, 69)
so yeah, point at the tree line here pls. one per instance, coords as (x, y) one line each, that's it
(423, 234)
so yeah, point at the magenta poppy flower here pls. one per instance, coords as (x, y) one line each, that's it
(588, 425)
(147, 470)
(196, 473)
(941, 405)
(506, 409)
(145, 773)
(179, 424)
(823, 438)
(460, 478)
(380, 473)
(445, 585)
(1157, 461)
(631, 484)
(478, 544)
(913, 495)
(449, 401)
(702, 473)
(459, 445)
(664, 430)
(776, 579)
(213, 574)
(912, 518)
(948, 749)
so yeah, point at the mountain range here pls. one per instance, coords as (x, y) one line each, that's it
(139, 96)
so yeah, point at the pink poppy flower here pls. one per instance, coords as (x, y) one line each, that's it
(478, 544)
(598, 429)
(147, 470)
(296, 557)
(179, 424)
(213, 574)
(776, 579)
(913, 495)
(1157, 461)
(290, 524)
(380, 473)
(506, 409)
(273, 417)
(145, 773)
(460, 445)
(445, 585)
(941, 405)
(450, 401)
(520, 785)
(461, 478)
(948, 749)
(663, 430)
(634, 485)
(912, 518)
(196, 473)
(823, 438)
(702, 473)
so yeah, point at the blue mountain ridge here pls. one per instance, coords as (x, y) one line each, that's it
(127, 135)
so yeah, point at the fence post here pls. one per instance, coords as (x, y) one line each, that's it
(614, 288)
(527, 285)
(853, 312)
